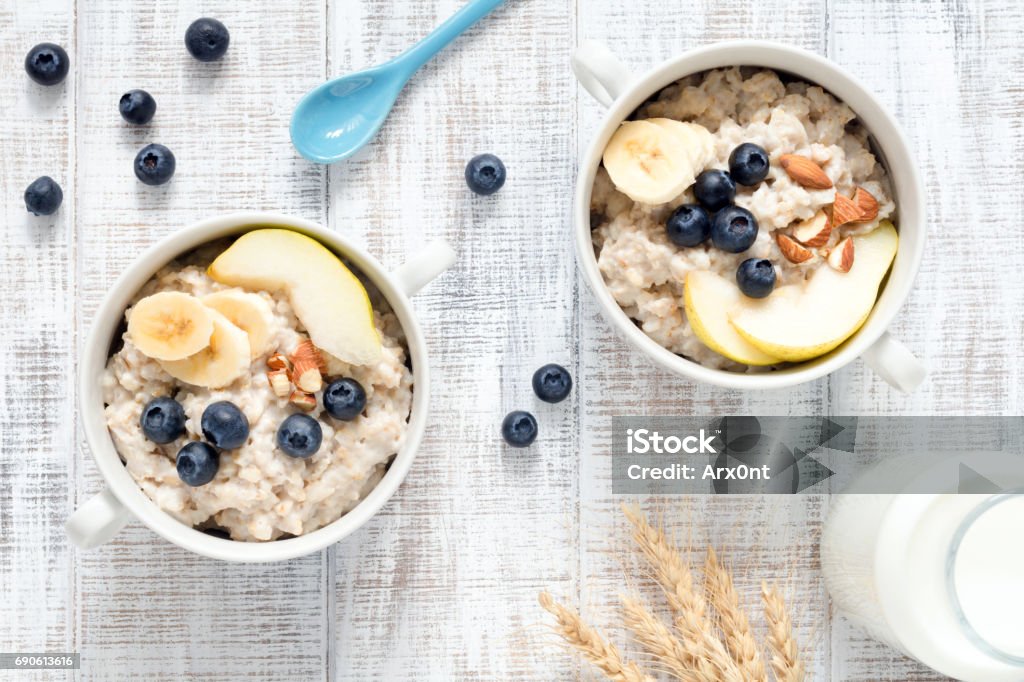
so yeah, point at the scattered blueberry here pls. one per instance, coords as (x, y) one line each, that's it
(154, 164)
(162, 420)
(714, 189)
(137, 106)
(552, 383)
(299, 436)
(485, 174)
(689, 225)
(47, 64)
(756, 277)
(197, 463)
(43, 196)
(207, 39)
(734, 229)
(224, 425)
(344, 399)
(748, 164)
(519, 429)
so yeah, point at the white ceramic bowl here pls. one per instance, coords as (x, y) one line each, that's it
(611, 84)
(100, 518)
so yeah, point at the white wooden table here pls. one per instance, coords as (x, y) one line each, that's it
(443, 583)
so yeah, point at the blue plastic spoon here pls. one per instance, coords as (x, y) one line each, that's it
(334, 120)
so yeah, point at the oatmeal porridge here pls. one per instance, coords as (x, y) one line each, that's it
(259, 430)
(740, 199)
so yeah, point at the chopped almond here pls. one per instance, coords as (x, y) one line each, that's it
(279, 382)
(792, 250)
(841, 255)
(844, 211)
(866, 203)
(814, 231)
(303, 400)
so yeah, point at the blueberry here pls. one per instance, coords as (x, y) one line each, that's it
(43, 196)
(734, 229)
(552, 383)
(47, 64)
(224, 425)
(162, 420)
(299, 436)
(485, 174)
(714, 189)
(344, 399)
(137, 106)
(197, 463)
(519, 429)
(207, 39)
(689, 225)
(756, 277)
(748, 164)
(154, 164)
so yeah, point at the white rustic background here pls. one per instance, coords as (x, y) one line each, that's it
(442, 584)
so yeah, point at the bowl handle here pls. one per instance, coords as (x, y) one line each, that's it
(600, 72)
(894, 362)
(98, 520)
(421, 269)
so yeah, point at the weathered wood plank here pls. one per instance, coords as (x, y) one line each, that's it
(145, 608)
(957, 107)
(37, 274)
(443, 584)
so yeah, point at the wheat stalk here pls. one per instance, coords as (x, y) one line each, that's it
(688, 605)
(732, 619)
(682, 658)
(785, 661)
(589, 642)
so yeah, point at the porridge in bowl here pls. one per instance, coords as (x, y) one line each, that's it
(742, 221)
(261, 389)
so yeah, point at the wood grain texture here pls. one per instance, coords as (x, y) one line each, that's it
(478, 528)
(442, 584)
(37, 430)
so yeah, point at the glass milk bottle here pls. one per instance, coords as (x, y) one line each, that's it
(939, 577)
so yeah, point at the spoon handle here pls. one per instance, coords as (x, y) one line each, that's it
(420, 53)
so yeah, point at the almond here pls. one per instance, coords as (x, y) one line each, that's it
(805, 172)
(841, 255)
(793, 252)
(814, 231)
(302, 400)
(307, 367)
(307, 377)
(844, 211)
(278, 361)
(866, 203)
(308, 354)
(279, 382)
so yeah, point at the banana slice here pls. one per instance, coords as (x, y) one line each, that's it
(170, 325)
(224, 360)
(696, 137)
(648, 163)
(249, 312)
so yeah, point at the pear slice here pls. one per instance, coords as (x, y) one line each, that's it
(708, 299)
(800, 322)
(328, 299)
